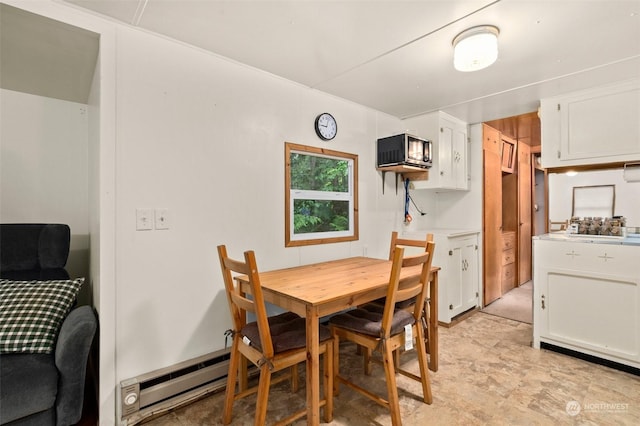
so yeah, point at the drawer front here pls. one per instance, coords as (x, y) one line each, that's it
(588, 257)
(509, 273)
(508, 240)
(508, 256)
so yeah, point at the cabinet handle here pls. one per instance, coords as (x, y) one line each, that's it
(605, 257)
(542, 297)
(573, 254)
(451, 307)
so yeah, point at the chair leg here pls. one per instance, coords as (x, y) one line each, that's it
(231, 382)
(263, 395)
(328, 380)
(392, 389)
(243, 380)
(367, 360)
(425, 318)
(336, 364)
(295, 383)
(424, 366)
(396, 358)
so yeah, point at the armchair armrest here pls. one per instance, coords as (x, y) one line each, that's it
(72, 351)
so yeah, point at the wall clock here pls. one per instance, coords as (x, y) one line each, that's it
(326, 126)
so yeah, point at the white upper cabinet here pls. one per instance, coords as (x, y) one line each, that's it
(594, 126)
(450, 170)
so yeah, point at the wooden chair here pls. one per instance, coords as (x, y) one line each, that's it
(409, 304)
(271, 343)
(384, 331)
(403, 242)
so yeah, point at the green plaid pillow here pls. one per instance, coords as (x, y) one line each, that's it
(32, 312)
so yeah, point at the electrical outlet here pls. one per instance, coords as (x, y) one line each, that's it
(162, 218)
(144, 219)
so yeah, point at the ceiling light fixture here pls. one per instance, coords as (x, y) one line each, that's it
(475, 48)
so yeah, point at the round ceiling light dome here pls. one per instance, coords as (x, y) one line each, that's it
(475, 48)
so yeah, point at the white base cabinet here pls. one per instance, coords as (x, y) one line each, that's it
(592, 126)
(586, 297)
(457, 255)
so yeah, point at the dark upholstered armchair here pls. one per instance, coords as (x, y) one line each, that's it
(41, 386)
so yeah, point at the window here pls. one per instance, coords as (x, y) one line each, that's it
(321, 196)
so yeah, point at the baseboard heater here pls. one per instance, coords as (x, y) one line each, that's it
(160, 391)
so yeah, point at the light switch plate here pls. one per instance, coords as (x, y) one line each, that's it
(162, 218)
(144, 219)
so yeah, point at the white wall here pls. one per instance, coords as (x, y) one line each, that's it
(204, 138)
(627, 194)
(44, 167)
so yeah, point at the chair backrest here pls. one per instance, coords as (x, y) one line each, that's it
(402, 242)
(408, 287)
(239, 304)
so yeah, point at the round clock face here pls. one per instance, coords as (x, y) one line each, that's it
(326, 126)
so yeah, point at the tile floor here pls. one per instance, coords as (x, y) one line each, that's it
(488, 375)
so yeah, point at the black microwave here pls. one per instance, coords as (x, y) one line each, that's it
(404, 149)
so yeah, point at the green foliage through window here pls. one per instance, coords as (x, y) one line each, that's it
(320, 216)
(313, 173)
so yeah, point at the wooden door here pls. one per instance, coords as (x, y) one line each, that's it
(492, 214)
(524, 213)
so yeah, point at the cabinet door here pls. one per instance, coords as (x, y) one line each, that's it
(463, 285)
(460, 158)
(492, 215)
(586, 298)
(525, 196)
(470, 285)
(445, 156)
(592, 126)
(453, 155)
(600, 124)
(597, 313)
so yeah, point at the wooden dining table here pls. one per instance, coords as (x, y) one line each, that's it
(317, 290)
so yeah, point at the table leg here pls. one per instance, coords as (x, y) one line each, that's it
(313, 367)
(433, 322)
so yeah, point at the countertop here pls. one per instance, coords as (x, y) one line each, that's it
(590, 239)
(449, 232)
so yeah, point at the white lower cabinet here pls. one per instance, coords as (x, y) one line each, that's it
(458, 280)
(586, 298)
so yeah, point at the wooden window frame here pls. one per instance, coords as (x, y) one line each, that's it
(509, 153)
(314, 239)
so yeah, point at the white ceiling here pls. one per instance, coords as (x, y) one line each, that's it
(45, 57)
(396, 56)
